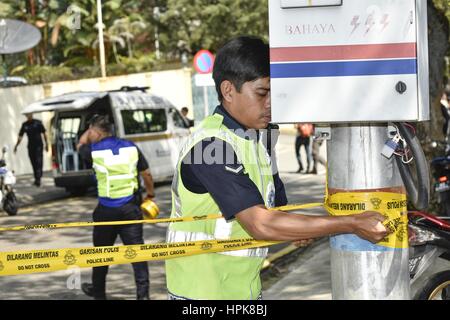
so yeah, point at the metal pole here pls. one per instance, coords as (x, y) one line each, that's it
(205, 100)
(100, 38)
(360, 269)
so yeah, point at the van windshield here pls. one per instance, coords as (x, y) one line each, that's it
(144, 121)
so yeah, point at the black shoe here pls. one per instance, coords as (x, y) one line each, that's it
(300, 170)
(143, 298)
(88, 289)
(37, 183)
(313, 171)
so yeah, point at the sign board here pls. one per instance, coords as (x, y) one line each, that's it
(204, 80)
(360, 61)
(204, 62)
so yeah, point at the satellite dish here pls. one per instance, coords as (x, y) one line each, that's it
(17, 36)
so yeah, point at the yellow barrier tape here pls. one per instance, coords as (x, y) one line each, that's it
(37, 261)
(166, 220)
(392, 205)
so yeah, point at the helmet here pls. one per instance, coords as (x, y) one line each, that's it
(150, 209)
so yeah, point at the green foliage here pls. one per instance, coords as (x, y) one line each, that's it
(205, 24)
(444, 6)
(44, 74)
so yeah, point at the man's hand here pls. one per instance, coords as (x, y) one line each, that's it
(368, 225)
(149, 197)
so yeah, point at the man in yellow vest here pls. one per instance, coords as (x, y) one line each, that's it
(225, 168)
(117, 163)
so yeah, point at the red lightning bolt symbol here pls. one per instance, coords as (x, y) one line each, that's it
(369, 23)
(385, 21)
(355, 23)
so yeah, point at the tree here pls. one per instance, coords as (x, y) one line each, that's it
(206, 24)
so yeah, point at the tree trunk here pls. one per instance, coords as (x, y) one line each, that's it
(438, 47)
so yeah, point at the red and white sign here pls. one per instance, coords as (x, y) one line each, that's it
(204, 62)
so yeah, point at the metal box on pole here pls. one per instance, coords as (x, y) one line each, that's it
(338, 61)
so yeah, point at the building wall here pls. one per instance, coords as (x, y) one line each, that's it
(174, 85)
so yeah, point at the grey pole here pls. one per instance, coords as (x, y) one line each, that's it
(360, 269)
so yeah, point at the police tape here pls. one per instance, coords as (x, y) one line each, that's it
(38, 261)
(292, 207)
(390, 204)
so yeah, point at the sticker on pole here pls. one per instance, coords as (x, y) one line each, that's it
(204, 62)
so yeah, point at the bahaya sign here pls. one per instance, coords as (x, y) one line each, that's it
(348, 61)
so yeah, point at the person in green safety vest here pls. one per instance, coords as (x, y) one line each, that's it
(117, 163)
(228, 167)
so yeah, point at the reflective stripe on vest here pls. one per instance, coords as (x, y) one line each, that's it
(116, 174)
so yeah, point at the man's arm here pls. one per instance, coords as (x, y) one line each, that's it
(84, 139)
(148, 183)
(18, 142)
(144, 171)
(19, 139)
(263, 224)
(45, 141)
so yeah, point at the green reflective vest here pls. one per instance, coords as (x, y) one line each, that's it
(226, 275)
(116, 174)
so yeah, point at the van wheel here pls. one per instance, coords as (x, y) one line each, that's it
(76, 191)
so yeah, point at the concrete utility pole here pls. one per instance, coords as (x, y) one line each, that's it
(100, 38)
(360, 269)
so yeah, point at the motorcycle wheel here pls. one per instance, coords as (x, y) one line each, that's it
(10, 204)
(437, 288)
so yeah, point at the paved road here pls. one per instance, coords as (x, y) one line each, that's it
(120, 282)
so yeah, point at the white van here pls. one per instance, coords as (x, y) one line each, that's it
(150, 121)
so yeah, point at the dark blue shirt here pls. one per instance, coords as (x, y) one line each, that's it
(221, 174)
(114, 144)
(34, 129)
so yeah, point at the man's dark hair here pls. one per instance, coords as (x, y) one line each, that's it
(241, 60)
(101, 122)
(184, 109)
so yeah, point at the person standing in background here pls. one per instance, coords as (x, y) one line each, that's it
(184, 112)
(303, 138)
(317, 158)
(35, 132)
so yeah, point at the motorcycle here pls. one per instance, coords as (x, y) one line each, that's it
(441, 174)
(8, 199)
(429, 239)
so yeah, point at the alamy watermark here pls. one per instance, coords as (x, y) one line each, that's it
(228, 151)
(74, 278)
(74, 17)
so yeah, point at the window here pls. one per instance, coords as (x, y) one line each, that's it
(144, 121)
(69, 127)
(178, 119)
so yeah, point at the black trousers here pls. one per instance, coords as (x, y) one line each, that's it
(130, 234)
(36, 155)
(299, 142)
